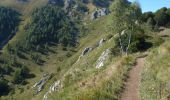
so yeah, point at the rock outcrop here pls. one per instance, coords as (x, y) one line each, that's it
(54, 87)
(102, 59)
(100, 43)
(38, 86)
(85, 51)
(100, 12)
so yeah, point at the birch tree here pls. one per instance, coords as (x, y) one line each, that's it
(122, 21)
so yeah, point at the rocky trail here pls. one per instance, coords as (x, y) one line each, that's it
(131, 91)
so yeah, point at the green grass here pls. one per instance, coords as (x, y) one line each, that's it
(108, 85)
(155, 77)
(59, 59)
(109, 82)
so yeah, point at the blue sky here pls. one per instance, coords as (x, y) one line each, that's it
(153, 5)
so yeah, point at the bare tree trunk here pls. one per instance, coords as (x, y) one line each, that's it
(120, 43)
(129, 41)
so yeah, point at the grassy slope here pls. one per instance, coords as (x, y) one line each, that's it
(97, 30)
(84, 71)
(156, 80)
(68, 64)
(105, 87)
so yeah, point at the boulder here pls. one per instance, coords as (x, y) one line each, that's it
(102, 59)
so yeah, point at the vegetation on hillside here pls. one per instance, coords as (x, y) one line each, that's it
(48, 24)
(155, 76)
(9, 20)
(130, 37)
(160, 18)
(36, 51)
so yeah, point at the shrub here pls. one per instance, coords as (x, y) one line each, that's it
(4, 88)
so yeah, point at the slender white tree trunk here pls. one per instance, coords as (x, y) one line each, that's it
(120, 43)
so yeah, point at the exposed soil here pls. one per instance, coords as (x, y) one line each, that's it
(131, 91)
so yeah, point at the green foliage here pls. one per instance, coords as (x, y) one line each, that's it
(20, 75)
(123, 15)
(102, 3)
(4, 88)
(138, 42)
(151, 21)
(24, 72)
(36, 58)
(161, 17)
(155, 76)
(118, 18)
(6, 69)
(111, 88)
(123, 18)
(146, 16)
(17, 77)
(51, 24)
(68, 79)
(9, 20)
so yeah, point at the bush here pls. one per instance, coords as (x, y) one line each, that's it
(18, 78)
(20, 75)
(4, 88)
(7, 69)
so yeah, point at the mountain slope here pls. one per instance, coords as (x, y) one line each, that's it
(93, 69)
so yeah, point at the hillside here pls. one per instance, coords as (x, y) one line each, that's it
(83, 50)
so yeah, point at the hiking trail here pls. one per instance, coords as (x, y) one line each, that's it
(131, 91)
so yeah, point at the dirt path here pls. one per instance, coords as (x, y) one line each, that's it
(131, 91)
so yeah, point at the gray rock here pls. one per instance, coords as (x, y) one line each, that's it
(104, 11)
(123, 32)
(102, 59)
(86, 50)
(94, 15)
(54, 87)
(99, 13)
(137, 22)
(100, 43)
(40, 84)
